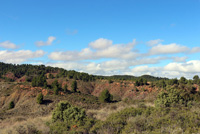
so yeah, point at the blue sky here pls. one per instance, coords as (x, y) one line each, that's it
(106, 37)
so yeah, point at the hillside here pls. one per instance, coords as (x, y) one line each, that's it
(21, 84)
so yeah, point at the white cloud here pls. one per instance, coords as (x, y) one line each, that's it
(19, 56)
(154, 42)
(8, 45)
(168, 49)
(142, 70)
(103, 49)
(47, 43)
(123, 59)
(195, 50)
(171, 70)
(192, 66)
(101, 43)
(179, 59)
(111, 67)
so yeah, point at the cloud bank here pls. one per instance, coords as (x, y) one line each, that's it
(125, 59)
(8, 45)
(101, 48)
(103, 57)
(20, 56)
(47, 43)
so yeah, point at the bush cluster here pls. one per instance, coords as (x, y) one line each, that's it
(150, 120)
(66, 117)
(173, 97)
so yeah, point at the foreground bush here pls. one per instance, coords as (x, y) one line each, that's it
(173, 97)
(151, 120)
(67, 118)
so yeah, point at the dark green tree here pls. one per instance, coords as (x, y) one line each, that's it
(137, 83)
(162, 84)
(74, 86)
(105, 96)
(39, 81)
(55, 84)
(11, 105)
(196, 79)
(145, 82)
(152, 84)
(183, 80)
(56, 90)
(173, 81)
(40, 98)
(65, 88)
(110, 81)
(50, 76)
(34, 82)
(141, 82)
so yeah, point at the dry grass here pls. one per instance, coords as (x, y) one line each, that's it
(21, 125)
(102, 114)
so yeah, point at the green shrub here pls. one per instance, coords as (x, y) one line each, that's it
(116, 122)
(40, 98)
(110, 81)
(172, 97)
(105, 96)
(74, 86)
(56, 90)
(68, 113)
(65, 89)
(11, 105)
(151, 120)
(70, 119)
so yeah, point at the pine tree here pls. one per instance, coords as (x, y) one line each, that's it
(56, 90)
(74, 86)
(40, 98)
(65, 88)
(105, 96)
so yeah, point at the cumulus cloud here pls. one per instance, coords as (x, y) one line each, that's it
(8, 45)
(47, 43)
(190, 66)
(101, 48)
(179, 59)
(154, 42)
(101, 43)
(167, 49)
(124, 59)
(19, 56)
(195, 50)
(171, 70)
(110, 67)
(114, 67)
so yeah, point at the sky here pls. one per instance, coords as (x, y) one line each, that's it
(103, 37)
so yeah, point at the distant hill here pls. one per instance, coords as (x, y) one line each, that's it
(152, 78)
(134, 78)
(33, 70)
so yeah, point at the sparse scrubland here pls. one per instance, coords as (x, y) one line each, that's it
(45, 100)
